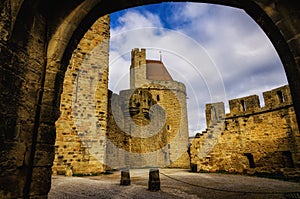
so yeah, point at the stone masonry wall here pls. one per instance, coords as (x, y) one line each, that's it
(24, 26)
(116, 146)
(252, 139)
(80, 141)
(173, 102)
(148, 127)
(21, 67)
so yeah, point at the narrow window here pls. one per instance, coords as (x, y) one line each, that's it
(157, 98)
(250, 159)
(280, 96)
(168, 127)
(243, 103)
(287, 159)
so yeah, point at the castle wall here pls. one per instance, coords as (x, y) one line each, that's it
(244, 105)
(24, 32)
(173, 100)
(99, 130)
(148, 124)
(146, 130)
(117, 145)
(252, 139)
(80, 140)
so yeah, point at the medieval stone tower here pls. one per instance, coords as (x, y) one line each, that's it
(151, 117)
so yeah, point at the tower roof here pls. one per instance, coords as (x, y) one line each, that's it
(156, 70)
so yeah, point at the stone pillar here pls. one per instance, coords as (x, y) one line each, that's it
(154, 181)
(125, 177)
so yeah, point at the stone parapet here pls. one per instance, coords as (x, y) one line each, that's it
(277, 98)
(252, 138)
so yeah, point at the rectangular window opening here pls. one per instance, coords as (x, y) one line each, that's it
(243, 103)
(280, 96)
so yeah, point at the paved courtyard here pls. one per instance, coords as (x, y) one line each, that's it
(175, 183)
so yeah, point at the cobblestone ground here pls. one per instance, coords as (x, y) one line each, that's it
(175, 183)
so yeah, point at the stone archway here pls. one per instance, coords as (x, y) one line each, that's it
(37, 39)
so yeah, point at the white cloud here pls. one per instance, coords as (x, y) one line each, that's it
(135, 20)
(218, 52)
(240, 49)
(189, 11)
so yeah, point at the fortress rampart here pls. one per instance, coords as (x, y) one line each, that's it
(250, 138)
(275, 99)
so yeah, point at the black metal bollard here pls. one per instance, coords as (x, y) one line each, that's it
(125, 177)
(154, 181)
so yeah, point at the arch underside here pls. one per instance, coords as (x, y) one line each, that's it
(272, 18)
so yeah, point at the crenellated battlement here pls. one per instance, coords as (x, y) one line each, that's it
(278, 97)
(244, 105)
(214, 112)
(250, 138)
(273, 99)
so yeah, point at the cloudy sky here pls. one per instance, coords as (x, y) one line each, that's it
(218, 52)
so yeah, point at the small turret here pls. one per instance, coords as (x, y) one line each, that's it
(137, 68)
